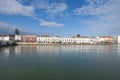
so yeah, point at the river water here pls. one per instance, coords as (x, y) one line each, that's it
(60, 62)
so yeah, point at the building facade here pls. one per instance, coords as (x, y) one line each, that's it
(109, 39)
(1, 38)
(8, 38)
(118, 39)
(68, 40)
(29, 38)
(18, 38)
(48, 39)
(76, 40)
(44, 39)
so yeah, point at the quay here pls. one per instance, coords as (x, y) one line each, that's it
(36, 43)
(7, 44)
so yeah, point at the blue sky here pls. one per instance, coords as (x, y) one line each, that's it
(61, 17)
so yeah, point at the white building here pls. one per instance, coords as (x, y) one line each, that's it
(18, 38)
(94, 40)
(44, 40)
(76, 40)
(118, 39)
(55, 39)
(68, 40)
(100, 39)
(48, 39)
(8, 38)
(1, 38)
(83, 40)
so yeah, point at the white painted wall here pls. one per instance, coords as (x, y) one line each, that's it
(44, 39)
(18, 38)
(1, 38)
(119, 39)
(6, 38)
(48, 39)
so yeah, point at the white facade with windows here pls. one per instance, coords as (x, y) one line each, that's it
(95, 40)
(118, 39)
(63, 40)
(48, 39)
(56, 39)
(8, 38)
(83, 40)
(18, 38)
(100, 39)
(44, 40)
(1, 38)
(75, 40)
(68, 40)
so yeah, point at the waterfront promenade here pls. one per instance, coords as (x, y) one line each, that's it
(35, 43)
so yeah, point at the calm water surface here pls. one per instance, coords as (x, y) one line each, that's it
(60, 62)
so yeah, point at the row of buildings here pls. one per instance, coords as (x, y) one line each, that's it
(62, 40)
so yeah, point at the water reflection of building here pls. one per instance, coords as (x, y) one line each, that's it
(64, 49)
(74, 48)
(48, 49)
(7, 51)
(57, 50)
(118, 49)
(18, 50)
(29, 49)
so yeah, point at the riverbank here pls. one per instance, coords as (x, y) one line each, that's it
(35, 43)
(7, 44)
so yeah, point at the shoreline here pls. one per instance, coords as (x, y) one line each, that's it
(4, 44)
(54, 44)
(34, 43)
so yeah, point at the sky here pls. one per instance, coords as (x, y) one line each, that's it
(61, 17)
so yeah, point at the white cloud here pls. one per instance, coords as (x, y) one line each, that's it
(12, 7)
(52, 8)
(98, 7)
(106, 18)
(9, 29)
(57, 8)
(50, 24)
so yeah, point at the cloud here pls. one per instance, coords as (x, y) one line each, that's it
(50, 24)
(57, 8)
(16, 7)
(12, 7)
(52, 8)
(105, 16)
(9, 29)
(98, 7)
